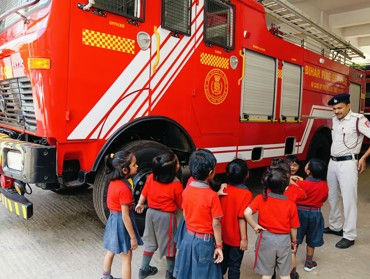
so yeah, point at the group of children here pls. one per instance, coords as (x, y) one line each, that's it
(212, 235)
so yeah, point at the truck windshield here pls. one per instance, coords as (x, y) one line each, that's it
(12, 11)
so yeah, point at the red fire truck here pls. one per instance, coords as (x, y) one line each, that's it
(367, 102)
(148, 76)
(367, 98)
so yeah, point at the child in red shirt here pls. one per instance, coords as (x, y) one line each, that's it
(309, 210)
(277, 225)
(293, 192)
(200, 250)
(294, 164)
(121, 234)
(234, 226)
(163, 192)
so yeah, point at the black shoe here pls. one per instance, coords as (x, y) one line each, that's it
(169, 275)
(310, 265)
(328, 230)
(344, 243)
(109, 277)
(148, 272)
(294, 275)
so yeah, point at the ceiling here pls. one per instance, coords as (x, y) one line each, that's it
(349, 19)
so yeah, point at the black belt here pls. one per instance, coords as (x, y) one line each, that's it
(344, 158)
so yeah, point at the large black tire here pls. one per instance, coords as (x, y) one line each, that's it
(144, 151)
(320, 147)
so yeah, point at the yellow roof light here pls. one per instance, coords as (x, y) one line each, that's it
(39, 63)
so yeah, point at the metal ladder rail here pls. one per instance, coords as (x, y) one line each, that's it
(295, 18)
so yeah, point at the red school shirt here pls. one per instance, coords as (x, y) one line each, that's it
(161, 196)
(233, 206)
(119, 193)
(317, 192)
(201, 205)
(277, 214)
(295, 193)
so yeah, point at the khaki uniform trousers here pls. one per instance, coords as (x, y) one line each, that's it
(342, 181)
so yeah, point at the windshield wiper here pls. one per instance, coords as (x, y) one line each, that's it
(16, 11)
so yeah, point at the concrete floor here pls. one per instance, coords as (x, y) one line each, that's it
(64, 240)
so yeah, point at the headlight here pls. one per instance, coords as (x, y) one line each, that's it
(143, 39)
(14, 160)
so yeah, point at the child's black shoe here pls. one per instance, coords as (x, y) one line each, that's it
(169, 275)
(147, 272)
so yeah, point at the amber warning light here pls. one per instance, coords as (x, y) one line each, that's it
(38, 63)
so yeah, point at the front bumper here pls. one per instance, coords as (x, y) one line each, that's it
(16, 203)
(27, 162)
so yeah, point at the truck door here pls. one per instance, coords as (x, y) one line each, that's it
(172, 52)
(108, 71)
(215, 95)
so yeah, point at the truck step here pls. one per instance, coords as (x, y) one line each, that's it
(16, 203)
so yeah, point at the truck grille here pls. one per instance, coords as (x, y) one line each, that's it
(16, 104)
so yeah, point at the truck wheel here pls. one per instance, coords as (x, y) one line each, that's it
(319, 148)
(144, 151)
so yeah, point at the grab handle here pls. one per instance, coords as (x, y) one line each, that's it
(242, 55)
(158, 49)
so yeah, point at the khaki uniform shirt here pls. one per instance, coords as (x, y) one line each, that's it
(347, 138)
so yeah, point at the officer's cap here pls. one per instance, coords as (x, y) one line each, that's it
(340, 98)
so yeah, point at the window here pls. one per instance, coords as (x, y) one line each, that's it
(291, 92)
(259, 81)
(176, 16)
(129, 8)
(219, 23)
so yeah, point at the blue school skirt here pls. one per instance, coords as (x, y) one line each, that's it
(195, 259)
(181, 231)
(116, 237)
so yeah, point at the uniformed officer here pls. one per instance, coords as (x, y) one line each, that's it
(348, 132)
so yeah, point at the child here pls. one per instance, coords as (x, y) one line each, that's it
(293, 191)
(295, 194)
(277, 225)
(234, 226)
(163, 191)
(294, 164)
(200, 250)
(309, 210)
(121, 234)
(181, 230)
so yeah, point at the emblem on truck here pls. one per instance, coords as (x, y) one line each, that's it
(216, 86)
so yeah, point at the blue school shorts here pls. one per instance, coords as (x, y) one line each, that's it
(312, 227)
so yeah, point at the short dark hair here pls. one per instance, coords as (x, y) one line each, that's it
(292, 159)
(236, 171)
(116, 162)
(317, 168)
(281, 163)
(201, 162)
(275, 179)
(164, 167)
